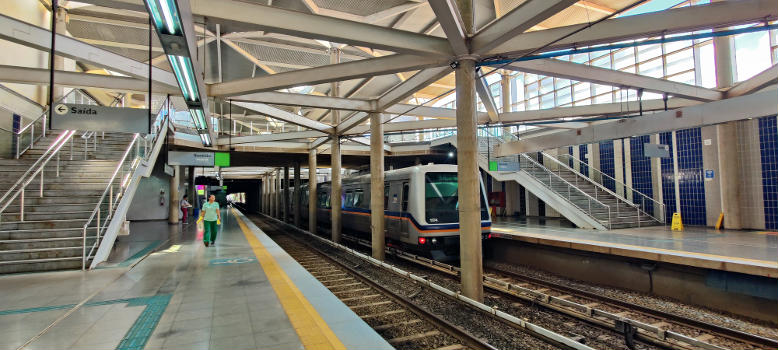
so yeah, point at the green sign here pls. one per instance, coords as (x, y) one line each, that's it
(492, 165)
(224, 188)
(201, 192)
(221, 159)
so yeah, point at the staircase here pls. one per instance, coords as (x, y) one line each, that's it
(583, 201)
(50, 236)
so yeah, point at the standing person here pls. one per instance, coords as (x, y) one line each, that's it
(185, 209)
(212, 218)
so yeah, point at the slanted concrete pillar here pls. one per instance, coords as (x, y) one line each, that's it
(335, 195)
(59, 61)
(312, 198)
(724, 52)
(175, 201)
(296, 195)
(285, 195)
(377, 185)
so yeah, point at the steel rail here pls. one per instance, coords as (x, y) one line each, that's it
(460, 334)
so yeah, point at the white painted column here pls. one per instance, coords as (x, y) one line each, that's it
(628, 168)
(175, 201)
(675, 174)
(618, 166)
(656, 181)
(377, 220)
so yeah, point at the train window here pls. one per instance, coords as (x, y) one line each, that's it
(349, 199)
(359, 199)
(405, 196)
(386, 197)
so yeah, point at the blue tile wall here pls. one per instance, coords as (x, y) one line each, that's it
(690, 173)
(582, 151)
(768, 147)
(570, 160)
(641, 172)
(607, 164)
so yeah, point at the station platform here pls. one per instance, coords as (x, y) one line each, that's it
(243, 293)
(748, 252)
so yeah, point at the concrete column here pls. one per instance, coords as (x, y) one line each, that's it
(312, 191)
(175, 201)
(594, 162)
(730, 197)
(377, 185)
(296, 195)
(577, 157)
(505, 96)
(656, 181)
(467, 169)
(191, 189)
(59, 61)
(335, 197)
(285, 195)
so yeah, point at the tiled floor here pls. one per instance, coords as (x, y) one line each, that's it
(184, 296)
(694, 239)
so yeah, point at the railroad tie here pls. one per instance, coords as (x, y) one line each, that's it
(399, 340)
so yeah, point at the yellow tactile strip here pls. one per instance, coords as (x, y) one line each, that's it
(314, 333)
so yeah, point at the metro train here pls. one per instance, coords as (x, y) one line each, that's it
(420, 207)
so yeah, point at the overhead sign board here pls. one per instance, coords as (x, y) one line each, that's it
(190, 158)
(69, 116)
(653, 150)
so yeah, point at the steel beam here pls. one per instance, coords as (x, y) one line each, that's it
(737, 108)
(523, 17)
(448, 16)
(482, 89)
(40, 76)
(282, 136)
(329, 73)
(285, 116)
(583, 72)
(764, 79)
(400, 92)
(39, 38)
(672, 21)
(292, 99)
(312, 26)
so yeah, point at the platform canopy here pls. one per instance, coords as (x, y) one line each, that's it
(267, 64)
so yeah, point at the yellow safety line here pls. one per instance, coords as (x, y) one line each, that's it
(313, 331)
(639, 248)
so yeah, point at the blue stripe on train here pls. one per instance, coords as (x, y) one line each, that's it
(408, 215)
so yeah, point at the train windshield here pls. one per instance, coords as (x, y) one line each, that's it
(441, 200)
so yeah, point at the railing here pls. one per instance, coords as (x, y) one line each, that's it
(18, 189)
(598, 178)
(111, 197)
(117, 186)
(555, 181)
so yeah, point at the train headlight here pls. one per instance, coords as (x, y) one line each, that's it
(434, 240)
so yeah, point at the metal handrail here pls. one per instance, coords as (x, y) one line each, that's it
(569, 186)
(111, 201)
(44, 127)
(607, 190)
(27, 177)
(617, 182)
(109, 190)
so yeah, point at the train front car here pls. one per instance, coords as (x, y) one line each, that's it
(436, 225)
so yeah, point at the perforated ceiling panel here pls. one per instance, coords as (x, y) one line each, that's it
(359, 7)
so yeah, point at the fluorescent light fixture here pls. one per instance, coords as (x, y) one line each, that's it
(182, 68)
(165, 16)
(205, 139)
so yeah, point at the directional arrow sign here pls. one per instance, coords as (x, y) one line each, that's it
(68, 116)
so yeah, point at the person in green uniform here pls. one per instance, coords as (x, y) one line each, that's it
(212, 218)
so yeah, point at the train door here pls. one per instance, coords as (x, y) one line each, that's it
(405, 224)
(394, 209)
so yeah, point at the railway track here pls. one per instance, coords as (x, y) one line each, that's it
(394, 317)
(634, 321)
